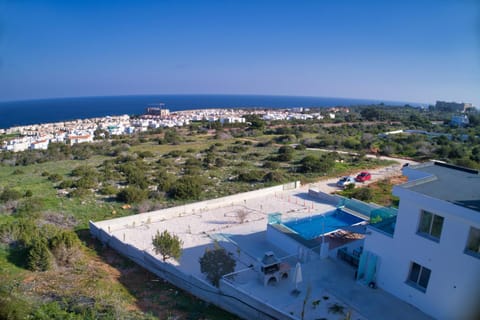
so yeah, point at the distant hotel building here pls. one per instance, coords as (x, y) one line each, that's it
(157, 110)
(452, 106)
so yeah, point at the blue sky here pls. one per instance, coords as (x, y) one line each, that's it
(418, 51)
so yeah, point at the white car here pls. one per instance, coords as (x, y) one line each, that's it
(345, 181)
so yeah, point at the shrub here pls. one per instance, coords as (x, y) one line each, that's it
(54, 177)
(132, 195)
(273, 176)
(108, 190)
(364, 194)
(249, 176)
(186, 188)
(64, 246)
(10, 194)
(39, 257)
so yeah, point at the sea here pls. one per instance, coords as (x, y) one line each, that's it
(25, 112)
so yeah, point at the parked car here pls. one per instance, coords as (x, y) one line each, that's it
(345, 181)
(363, 176)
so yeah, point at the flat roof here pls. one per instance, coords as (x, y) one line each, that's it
(454, 184)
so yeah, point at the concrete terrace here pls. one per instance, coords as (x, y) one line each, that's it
(199, 225)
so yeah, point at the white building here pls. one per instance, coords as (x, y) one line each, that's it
(40, 144)
(17, 145)
(80, 138)
(429, 254)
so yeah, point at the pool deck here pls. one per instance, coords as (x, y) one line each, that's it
(247, 243)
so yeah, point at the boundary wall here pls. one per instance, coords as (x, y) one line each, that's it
(191, 208)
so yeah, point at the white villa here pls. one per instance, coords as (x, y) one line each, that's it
(429, 254)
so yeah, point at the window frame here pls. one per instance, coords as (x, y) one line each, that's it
(423, 274)
(469, 251)
(432, 223)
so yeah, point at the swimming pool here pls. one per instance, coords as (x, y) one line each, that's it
(313, 227)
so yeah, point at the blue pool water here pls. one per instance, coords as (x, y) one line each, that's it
(315, 226)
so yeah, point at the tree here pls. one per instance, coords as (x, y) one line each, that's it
(39, 257)
(216, 263)
(168, 245)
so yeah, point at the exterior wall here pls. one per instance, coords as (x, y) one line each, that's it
(451, 293)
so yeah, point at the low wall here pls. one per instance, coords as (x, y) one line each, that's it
(159, 215)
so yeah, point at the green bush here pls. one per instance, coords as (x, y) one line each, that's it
(10, 194)
(108, 190)
(132, 195)
(54, 177)
(186, 188)
(39, 257)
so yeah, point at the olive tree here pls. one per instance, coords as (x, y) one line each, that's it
(168, 245)
(216, 263)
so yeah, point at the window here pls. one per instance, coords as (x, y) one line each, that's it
(473, 242)
(430, 225)
(418, 276)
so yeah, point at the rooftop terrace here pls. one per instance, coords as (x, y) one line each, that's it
(454, 184)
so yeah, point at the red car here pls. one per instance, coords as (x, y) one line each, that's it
(363, 176)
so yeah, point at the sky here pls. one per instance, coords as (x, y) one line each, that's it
(398, 50)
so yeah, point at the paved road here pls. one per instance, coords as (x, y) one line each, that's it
(330, 185)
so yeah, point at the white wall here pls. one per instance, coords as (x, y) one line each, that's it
(452, 290)
(159, 215)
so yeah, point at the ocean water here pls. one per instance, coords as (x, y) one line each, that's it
(14, 113)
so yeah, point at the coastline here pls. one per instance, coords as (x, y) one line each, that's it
(30, 112)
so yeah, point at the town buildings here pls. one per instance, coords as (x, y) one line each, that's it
(38, 136)
(429, 254)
